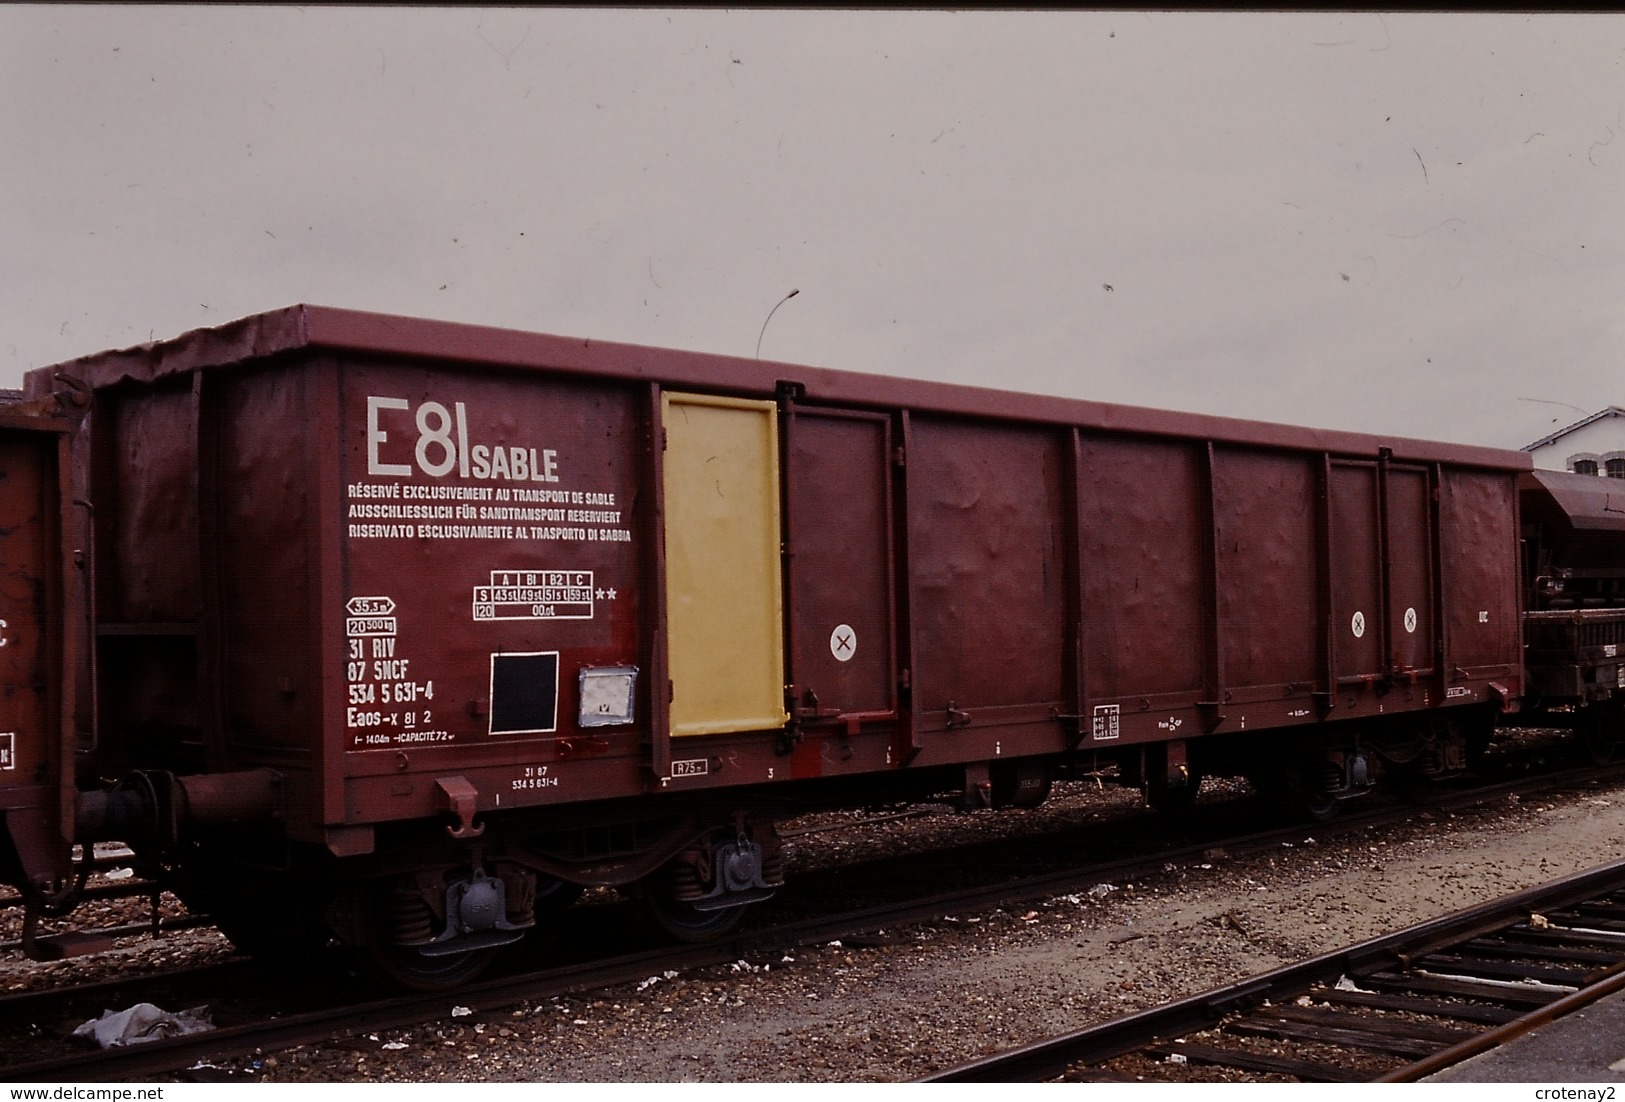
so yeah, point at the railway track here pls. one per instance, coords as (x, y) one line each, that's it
(1396, 1008)
(310, 1026)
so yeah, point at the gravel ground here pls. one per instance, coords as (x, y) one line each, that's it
(917, 999)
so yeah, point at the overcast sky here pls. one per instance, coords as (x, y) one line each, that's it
(1396, 223)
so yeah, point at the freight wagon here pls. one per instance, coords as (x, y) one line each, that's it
(1574, 629)
(405, 631)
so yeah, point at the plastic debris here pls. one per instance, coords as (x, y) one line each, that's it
(143, 1022)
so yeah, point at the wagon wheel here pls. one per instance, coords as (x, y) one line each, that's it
(410, 969)
(684, 922)
(1296, 785)
(402, 965)
(1307, 796)
(668, 897)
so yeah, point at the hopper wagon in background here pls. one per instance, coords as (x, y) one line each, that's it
(1574, 626)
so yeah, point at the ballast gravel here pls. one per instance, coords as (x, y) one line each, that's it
(908, 1001)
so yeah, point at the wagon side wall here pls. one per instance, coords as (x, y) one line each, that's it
(142, 486)
(488, 615)
(435, 584)
(987, 570)
(1229, 589)
(1482, 608)
(262, 545)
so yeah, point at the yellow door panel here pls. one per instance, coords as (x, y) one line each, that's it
(724, 626)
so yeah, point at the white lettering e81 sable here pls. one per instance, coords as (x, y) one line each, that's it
(443, 445)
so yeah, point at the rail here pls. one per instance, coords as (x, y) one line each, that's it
(1483, 975)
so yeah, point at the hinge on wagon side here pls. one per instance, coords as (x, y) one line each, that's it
(898, 458)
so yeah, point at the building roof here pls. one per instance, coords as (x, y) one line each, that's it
(1611, 411)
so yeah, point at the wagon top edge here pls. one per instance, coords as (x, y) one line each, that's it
(309, 327)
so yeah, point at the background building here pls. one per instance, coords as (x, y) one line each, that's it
(1595, 445)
